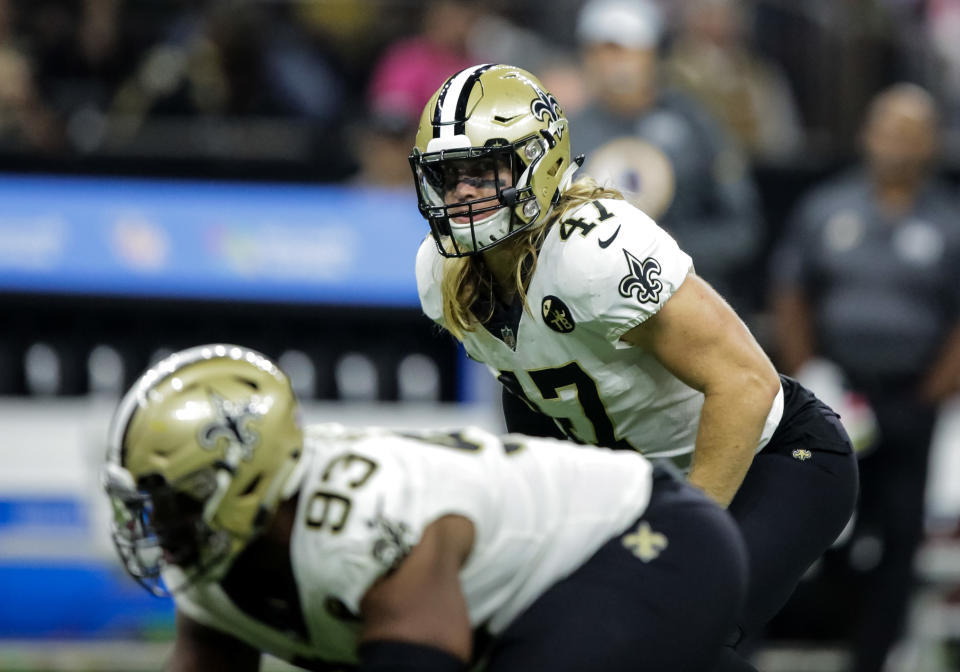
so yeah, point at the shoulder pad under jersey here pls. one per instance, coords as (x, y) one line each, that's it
(617, 265)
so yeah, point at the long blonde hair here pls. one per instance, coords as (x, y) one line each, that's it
(467, 282)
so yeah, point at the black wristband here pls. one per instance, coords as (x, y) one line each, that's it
(389, 656)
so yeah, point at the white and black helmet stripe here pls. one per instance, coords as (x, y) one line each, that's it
(449, 116)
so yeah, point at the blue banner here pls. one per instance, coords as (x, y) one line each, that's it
(40, 513)
(209, 240)
(53, 586)
(49, 599)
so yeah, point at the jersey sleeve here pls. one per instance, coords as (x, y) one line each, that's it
(383, 491)
(429, 274)
(355, 534)
(620, 273)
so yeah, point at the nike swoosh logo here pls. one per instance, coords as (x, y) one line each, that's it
(604, 244)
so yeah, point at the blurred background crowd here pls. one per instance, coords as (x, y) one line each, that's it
(207, 80)
(806, 154)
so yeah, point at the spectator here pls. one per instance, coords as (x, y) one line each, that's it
(382, 144)
(351, 29)
(411, 69)
(83, 52)
(80, 49)
(233, 61)
(234, 82)
(26, 121)
(407, 74)
(869, 278)
(494, 38)
(522, 41)
(943, 26)
(836, 55)
(454, 34)
(712, 61)
(402, 80)
(701, 180)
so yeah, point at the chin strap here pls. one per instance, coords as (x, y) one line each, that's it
(567, 178)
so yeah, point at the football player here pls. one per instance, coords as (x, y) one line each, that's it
(376, 550)
(594, 319)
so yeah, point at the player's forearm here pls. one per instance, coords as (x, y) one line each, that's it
(731, 423)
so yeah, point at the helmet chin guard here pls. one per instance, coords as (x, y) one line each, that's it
(476, 232)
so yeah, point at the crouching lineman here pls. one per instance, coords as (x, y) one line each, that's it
(376, 550)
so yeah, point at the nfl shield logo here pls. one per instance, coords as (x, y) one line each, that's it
(508, 337)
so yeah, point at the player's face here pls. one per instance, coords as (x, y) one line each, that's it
(476, 183)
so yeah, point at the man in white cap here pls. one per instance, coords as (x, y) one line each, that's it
(663, 147)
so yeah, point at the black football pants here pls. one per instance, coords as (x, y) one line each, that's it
(795, 500)
(620, 613)
(797, 497)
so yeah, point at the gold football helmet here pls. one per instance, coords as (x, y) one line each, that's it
(199, 452)
(494, 127)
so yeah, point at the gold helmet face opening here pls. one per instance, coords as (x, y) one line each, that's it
(199, 452)
(491, 155)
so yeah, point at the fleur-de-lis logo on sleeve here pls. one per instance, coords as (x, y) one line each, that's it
(643, 279)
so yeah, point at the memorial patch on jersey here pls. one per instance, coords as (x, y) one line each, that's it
(643, 279)
(556, 315)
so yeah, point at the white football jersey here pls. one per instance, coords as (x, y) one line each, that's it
(603, 269)
(540, 508)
